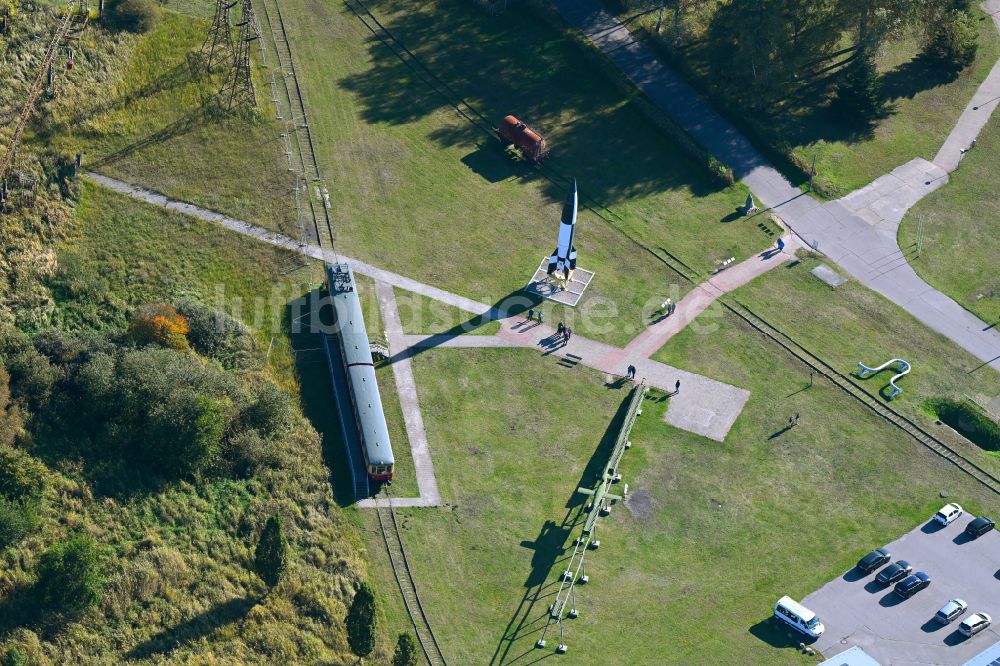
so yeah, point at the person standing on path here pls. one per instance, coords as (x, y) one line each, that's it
(631, 372)
(561, 330)
(531, 314)
(677, 387)
(781, 244)
(569, 334)
(539, 316)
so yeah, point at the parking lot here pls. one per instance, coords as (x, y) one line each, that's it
(858, 611)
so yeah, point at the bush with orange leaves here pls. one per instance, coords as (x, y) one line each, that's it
(159, 324)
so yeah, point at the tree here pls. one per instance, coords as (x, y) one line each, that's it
(271, 556)
(362, 621)
(952, 37)
(159, 324)
(406, 651)
(859, 94)
(69, 575)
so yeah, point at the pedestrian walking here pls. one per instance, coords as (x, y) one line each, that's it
(677, 387)
(569, 333)
(531, 314)
(561, 330)
(781, 244)
(631, 372)
(539, 316)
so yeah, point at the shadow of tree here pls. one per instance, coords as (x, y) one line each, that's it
(916, 75)
(513, 64)
(191, 630)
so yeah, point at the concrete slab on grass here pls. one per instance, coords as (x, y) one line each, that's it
(828, 275)
(710, 411)
(858, 611)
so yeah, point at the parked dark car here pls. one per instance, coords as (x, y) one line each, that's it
(979, 526)
(895, 571)
(874, 560)
(910, 585)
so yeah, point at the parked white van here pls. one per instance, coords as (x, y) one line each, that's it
(798, 616)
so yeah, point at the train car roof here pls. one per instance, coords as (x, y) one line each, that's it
(378, 448)
(349, 325)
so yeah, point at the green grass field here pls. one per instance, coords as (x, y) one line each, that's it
(154, 123)
(924, 101)
(852, 323)
(416, 188)
(924, 104)
(958, 225)
(423, 316)
(712, 536)
(121, 253)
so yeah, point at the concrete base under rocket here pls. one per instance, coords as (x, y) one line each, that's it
(554, 288)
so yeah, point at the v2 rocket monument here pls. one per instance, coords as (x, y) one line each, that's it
(563, 259)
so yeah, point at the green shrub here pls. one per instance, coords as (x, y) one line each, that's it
(32, 376)
(406, 651)
(185, 433)
(217, 335)
(362, 621)
(17, 520)
(954, 40)
(246, 452)
(69, 576)
(134, 15)
(970, 421)
(14, 657)
(22, 477)
(271, 413)
(271, 557)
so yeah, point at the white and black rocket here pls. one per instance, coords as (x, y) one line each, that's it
(564, 257)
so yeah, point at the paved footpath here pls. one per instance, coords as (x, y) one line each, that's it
(702, 296)
(857, 232)
(406, 387)
(703, 406)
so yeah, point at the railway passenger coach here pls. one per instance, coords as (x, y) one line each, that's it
(359, 367)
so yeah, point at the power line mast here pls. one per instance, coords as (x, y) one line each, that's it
(218, 46)
(237, 91)
(72, 24)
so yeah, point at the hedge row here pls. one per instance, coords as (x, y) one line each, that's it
(970, 421)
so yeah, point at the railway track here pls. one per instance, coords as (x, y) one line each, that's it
(679, 267)
(312, 213)
(404, 578)
(72, 23)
